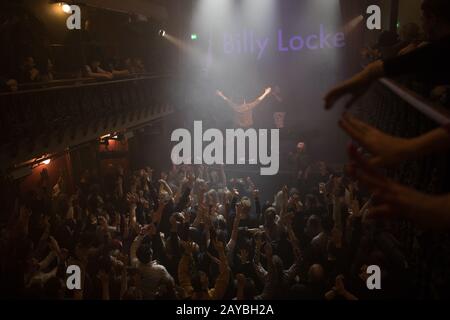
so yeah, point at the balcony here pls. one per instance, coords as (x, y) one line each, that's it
(42, 120)
(385, 110)
(427, 251)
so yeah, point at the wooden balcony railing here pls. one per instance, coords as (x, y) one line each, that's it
(45, 120)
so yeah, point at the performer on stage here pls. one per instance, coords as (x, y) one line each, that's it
(244, 111)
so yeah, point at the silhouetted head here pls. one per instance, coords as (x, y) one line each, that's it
(144, 253)
(436, 18)
(316, 274)
(409, 32)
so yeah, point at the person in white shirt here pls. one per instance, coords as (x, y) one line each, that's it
(153, 274)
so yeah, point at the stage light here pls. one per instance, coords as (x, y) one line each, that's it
(353, 24)
(65, 7)
(194, 36)
(262, 15)
(162, 33)
(46, 162)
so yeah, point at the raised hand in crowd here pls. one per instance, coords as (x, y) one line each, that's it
(339, 290)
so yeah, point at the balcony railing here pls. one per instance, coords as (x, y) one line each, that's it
(396, 110)
(48, 120)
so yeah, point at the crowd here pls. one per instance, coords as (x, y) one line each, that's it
(193, 234)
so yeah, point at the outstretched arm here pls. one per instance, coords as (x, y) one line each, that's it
(221, 283)
(392, 199)
(261, 98)
(228, 100)
(234, 233)
(388, 150)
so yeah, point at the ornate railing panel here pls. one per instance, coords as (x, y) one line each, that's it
(45, 121)
(428, 252)
(42, 121)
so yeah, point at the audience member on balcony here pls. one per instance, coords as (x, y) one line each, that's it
(388, 151)
(393, 199)
(410, 38)
(28, 71)
(441, 95)
(118, 68)
(93, 70)
(135, 66)
(8, 84)
(430, 62)
(388, 44)
(138, 65)
(48, 73)
(128, 65)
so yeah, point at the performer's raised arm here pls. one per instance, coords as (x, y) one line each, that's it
(260, 99)
(220, 94)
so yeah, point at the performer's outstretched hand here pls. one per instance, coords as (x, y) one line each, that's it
(261, 98)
